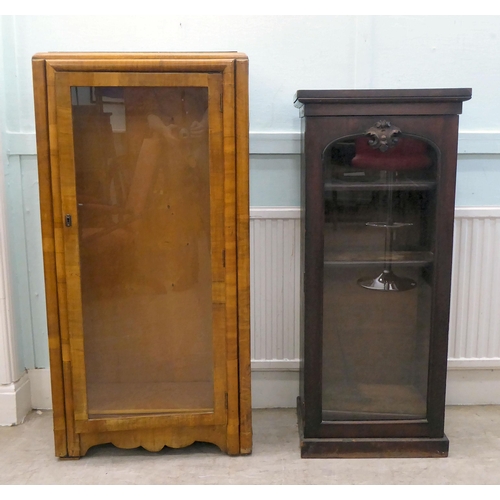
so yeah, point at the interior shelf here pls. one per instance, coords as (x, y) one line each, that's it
(107, 399)
(401, 185)
(374, 402)
(366, 258)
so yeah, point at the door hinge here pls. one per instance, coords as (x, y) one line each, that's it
(224, 258)
(227, 401)
(68, 220)
(221, 102)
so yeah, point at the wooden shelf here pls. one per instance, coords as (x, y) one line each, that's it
(353, 258)
(373, 402)
(402, 185)
(107, 399)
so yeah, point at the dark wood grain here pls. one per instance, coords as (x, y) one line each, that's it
(329, 116)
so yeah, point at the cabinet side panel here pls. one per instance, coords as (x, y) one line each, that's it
(233, 445)
(446, 136)
(302, 254)
(73, 440)
(47, 220)
(316, 136)
(243, 254)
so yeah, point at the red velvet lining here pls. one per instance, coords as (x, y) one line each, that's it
(407, 154)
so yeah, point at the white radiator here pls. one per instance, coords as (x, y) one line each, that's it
(475, 299)
(275, 292)
(275, 287)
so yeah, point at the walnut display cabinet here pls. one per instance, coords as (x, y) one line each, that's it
(143, 167)
(378, 189)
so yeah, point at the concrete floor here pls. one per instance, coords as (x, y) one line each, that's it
(26, 457)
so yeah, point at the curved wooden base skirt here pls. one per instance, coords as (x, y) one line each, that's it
(156, 439)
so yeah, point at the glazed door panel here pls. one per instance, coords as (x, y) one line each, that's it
(142, 190)
(378, 237)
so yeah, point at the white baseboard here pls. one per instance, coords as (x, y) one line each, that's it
(31, 391)
(275, 384)
(277, 387)
(473, 387)
(41, 394)
(15, 401)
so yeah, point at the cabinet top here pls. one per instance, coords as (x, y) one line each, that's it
(139, 55)
(143, 61)
(373, 102)
(381, 96)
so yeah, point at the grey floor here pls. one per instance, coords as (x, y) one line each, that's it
(26, 457)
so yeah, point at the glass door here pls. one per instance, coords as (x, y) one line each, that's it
(377, 278)
(141, 187)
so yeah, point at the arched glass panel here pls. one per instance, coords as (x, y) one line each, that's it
(378, 270)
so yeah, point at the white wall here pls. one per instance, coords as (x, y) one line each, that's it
(14, 383)
(286, 53)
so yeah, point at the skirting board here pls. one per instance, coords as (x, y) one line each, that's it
(279, 389)
(41, 394)
(31, 391)
(473, 387)
(275, 386)
(15, 401)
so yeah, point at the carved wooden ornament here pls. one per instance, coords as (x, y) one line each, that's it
(383, 135)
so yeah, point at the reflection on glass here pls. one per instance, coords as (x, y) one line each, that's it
(379, 221)
(407, 154)
(143, 194)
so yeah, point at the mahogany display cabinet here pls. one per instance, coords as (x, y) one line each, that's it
(378, 190)
(143, 167)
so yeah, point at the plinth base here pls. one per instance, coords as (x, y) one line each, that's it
(370, 447)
